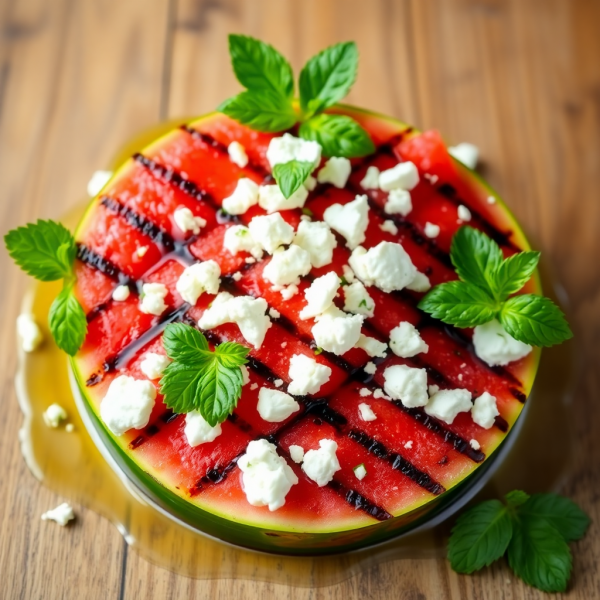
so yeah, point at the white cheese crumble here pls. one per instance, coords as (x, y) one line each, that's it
(245, 374)
(364, 392)
(348, 274)
(491, 200)
(153, 298)
(360, 472)
(350, 220)
(386, 266)
(288, 147)
(432, 230)
(98, 180)
(371, 179)
(389, 227)
(297, 453)
(197, 279)
(464, 214)
(366, 412)
(468, 154)
(271, 198)
(154, 364)
(433, 389)
(186, 220)
(287, 266)
(310, 184)
(243, 197)
(320, 294)
(278, 382)
(446, 404)
(237, 276)
(197, 431)
(62, 514)
(357, 300)
(495, 346)
(337, 331)
(371, 346)
(141, 251)
(398, 203)
(275, 406)
(54, 415)
(405, 340)
(307, 375)
(318, 240)
(239, 239)
(408, 444)
(378, 393)
(289, 292)
(407, 384)
(335, 171)
(370, 368)
(29, 332)
(266, 476)
(403, 176)
(271, 231)
(485, 410)
(320, 465)
(274, 313)
(475, 444)
(127, 404)
(420, 283)
(247, 312)
(237, 154)
(121, 293)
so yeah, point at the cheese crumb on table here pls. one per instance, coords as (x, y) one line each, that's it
(97, 181)
(29, 332)
(54, 415)
(62, 514)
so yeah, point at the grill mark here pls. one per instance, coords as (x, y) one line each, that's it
(359, 502)
(93, 259)
(137, 442)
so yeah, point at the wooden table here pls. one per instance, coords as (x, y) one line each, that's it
(521, 79)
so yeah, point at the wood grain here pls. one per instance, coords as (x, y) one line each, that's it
(520, 78)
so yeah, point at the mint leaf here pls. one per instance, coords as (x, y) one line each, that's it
(67, 321)
(516, 498)
(327, 77)
(45, 250)
(459, 303)
(184, 343)
(475, 257)
(534, 320)
(563, 514)
(291, 175)
(263, 111)
(259, 67)
(480, 536)
(539, 555)
(338, 135)
(514, 273)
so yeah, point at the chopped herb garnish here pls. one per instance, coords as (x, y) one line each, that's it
(318, 351)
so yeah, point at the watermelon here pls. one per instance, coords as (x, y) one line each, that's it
(416, 465)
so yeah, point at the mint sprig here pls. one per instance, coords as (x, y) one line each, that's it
(46, 250)
(486, 280)
(291, 175)
(198, 378)
(533, 531)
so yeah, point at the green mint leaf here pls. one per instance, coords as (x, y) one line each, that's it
(180, 385)
(514, 273)
(481, 536)
(258, 66)
(534, 320)
(327, 77)
(67, 321)
(539, 555)
(184, 343)
(338, 135)
(263, 111)
(45, 250)
(458, 303)
(563, 514)
(231, 354)
(291, 175)
(516, 498)
(475, 257)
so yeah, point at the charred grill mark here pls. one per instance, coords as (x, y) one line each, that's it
(359, 502)
(218, 473)
(168, 416)
(93, 259)
(137, 442)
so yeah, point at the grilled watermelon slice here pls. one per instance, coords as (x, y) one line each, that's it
(406, 482)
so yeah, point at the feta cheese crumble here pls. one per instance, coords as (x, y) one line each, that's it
(319, 296)
(475, 444)
(186, 221)
(271, 198)
(398, 203)
(364, 392)
(271, 231)
(237, 154)
(54, 415)
(287, 266)
(366, 412)
(239, 239)
(275, 406)
(371, 346)
(121, 293)
(197, 431)
(403, 176)
(97, 181)
(289, 292)
(335, 171)
(307, 375)
(127, 404)
(154, 364)
(153, 298)
(318, 240)
(360, 472)
(29, 332)
(266, 476)
(408, 444)
(446, 404)
(288, 147)
(62, 514)
(320, 465)
(386, 266)
(389, 227)
(243, 197)
(406, 341)
(432, 230)
(407, 384)
(350, 220)
(197, 279)
(370, 368)
(371, 179)
(468, 154)
(420, 283)
(485, 410)
(297, 453)
(141, 251)
(358, 300)
(337, 331)
(495, 346)
(464, 214)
